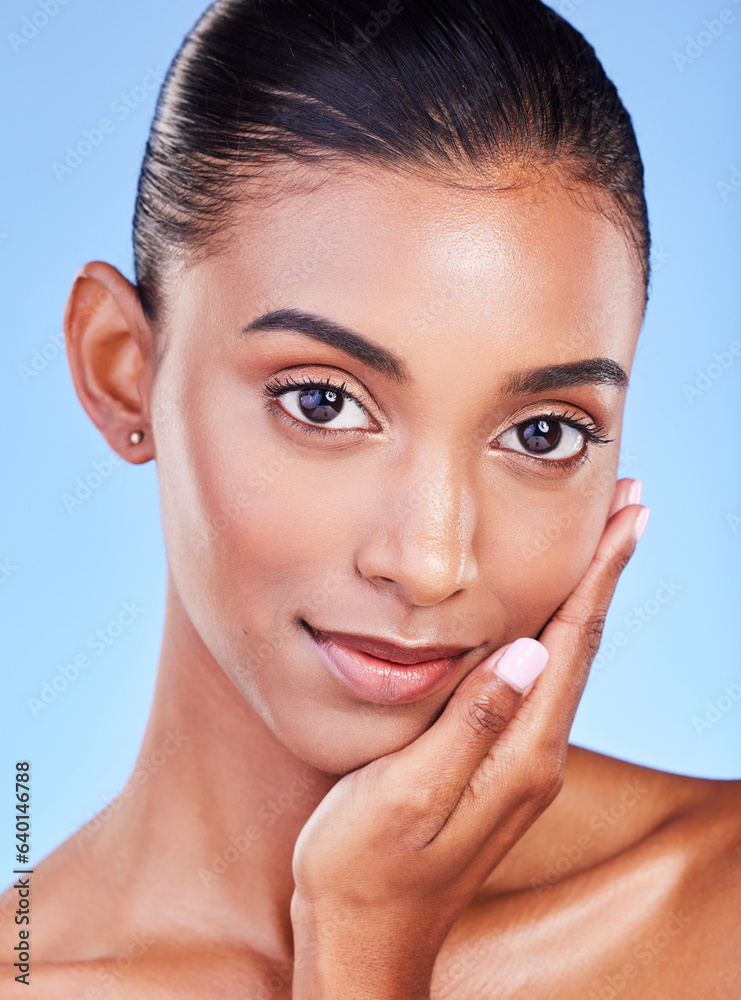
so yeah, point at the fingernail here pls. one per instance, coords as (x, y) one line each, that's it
(641, 522)
(634, 493)
(522, 662)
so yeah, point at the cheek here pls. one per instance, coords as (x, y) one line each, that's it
(550, 549)
(256, 532)
(257, 535)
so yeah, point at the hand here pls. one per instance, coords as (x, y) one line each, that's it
(398, 848)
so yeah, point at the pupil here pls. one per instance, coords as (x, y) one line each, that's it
(320, 404)
(540, 435)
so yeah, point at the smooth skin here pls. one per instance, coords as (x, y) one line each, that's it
(296, 839)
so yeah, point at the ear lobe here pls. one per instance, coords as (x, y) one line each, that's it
(109, 352)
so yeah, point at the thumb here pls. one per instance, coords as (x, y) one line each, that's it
(479, 710)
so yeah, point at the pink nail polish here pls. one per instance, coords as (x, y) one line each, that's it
(522, 662)
(641, 522)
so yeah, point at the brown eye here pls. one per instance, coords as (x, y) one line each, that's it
(319, 404)
(540, 434)
(547, 436)
(316, 404)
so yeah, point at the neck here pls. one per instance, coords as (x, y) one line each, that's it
(213, 808)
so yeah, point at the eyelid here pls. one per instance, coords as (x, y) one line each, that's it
(557, 410)
(284, 385)
(288, 383)
(554, 465)
(592, 432)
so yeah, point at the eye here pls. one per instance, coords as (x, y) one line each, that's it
(553, 437)
(319, 404)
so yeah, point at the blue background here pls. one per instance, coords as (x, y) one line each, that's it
(67, 573)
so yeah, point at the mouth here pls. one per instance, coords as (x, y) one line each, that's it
(385, 672)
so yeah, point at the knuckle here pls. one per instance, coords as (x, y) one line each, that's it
(622, 559)
(420, 800)
(546, 778)
(588, 621)
(573, 612)
(411, 801)
(557, 777)
(592, 630)
(614, 561)
(485, 717)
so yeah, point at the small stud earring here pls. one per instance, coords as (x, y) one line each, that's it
(136, 437)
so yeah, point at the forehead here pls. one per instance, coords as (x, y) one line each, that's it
(400, 255)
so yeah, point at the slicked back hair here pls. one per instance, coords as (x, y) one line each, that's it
(444, 87)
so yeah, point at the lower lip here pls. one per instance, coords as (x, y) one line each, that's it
(382, 681)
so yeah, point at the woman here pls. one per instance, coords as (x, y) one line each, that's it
(391, 271)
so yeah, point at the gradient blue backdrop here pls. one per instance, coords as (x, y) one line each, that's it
(66, 573)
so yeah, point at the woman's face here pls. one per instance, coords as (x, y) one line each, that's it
(398, 498)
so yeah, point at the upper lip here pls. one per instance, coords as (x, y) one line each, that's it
(393, 651)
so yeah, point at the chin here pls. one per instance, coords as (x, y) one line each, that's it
(347, 747)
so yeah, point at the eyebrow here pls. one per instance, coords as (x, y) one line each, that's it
(588, 371)
(328, 332)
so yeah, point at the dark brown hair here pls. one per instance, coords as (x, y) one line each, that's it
(438, 85)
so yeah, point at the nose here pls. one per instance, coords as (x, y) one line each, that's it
(419, 543)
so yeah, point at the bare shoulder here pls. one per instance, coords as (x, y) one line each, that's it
(629, 884)
(84, 944)
(608, 806)
(149, 972)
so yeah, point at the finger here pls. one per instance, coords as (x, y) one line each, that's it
(573, 633)
(627, 491)
(535, 763)
(439, 764)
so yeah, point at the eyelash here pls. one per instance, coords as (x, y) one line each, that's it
(593, 432)
(277, 388)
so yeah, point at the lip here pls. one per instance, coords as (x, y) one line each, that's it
(385, 650)
(413, 673)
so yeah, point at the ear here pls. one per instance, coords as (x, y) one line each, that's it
(110, 352)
